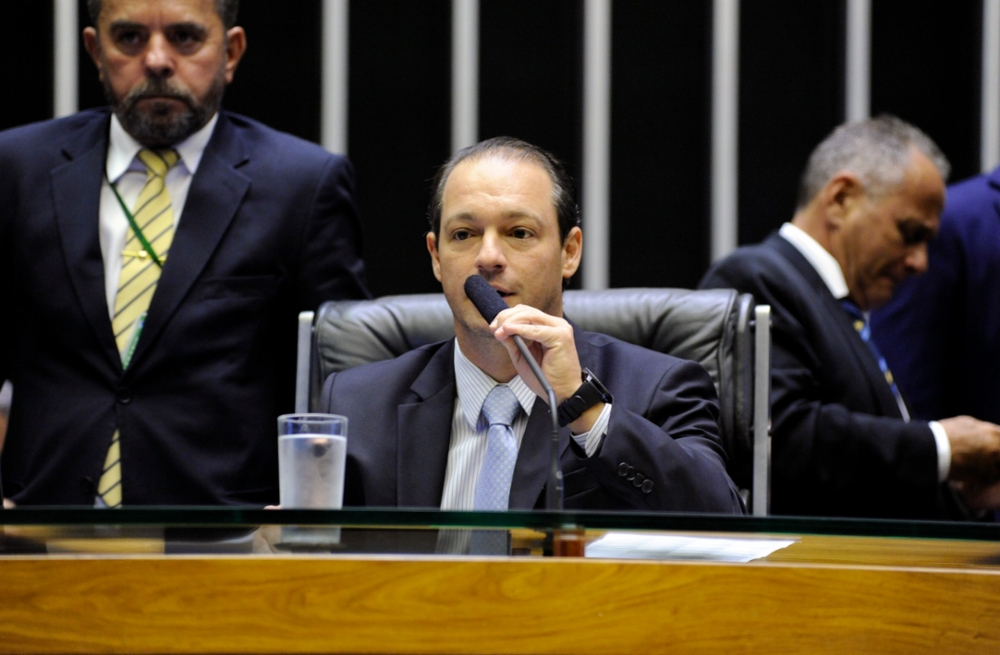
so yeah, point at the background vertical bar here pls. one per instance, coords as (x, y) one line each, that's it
(65, 51)
(725, 123)
(989, 155)
(333, 120)
(596, 142)
(464, 73)
(857, 99)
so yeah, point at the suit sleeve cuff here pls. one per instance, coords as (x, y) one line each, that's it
(943, 450)
(591, 441)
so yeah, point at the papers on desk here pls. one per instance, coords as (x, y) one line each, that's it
(636, 545)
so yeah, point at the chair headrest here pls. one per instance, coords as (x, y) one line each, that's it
(684, 323)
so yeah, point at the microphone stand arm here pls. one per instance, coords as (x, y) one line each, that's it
(554, 487)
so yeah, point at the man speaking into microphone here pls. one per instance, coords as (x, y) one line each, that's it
(464, 424)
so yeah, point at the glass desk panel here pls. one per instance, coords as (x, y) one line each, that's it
(256, 532)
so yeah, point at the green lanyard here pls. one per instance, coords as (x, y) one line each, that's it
(135, 226)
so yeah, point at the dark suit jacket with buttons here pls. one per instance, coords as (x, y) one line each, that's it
(662, 450)
(941, 331)
(840, 446)
(269, 228)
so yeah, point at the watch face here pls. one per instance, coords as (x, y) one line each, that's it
(588, 376)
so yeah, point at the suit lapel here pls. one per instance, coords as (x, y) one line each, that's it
(215, 195)
(76, 195)
(840, 321)
(424, 433)
(531, 472)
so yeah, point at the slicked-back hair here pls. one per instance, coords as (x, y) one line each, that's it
(877, 150)
(226, 9)
(510, 149)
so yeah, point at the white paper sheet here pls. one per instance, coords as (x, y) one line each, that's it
(637, 545)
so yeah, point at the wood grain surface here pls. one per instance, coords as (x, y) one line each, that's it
(354, 604)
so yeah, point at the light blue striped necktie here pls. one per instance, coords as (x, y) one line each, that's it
(493, 487)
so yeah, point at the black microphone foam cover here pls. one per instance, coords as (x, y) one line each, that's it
(484, 297)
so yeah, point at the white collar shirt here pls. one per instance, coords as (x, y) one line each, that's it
(126, 171)
(826, 266)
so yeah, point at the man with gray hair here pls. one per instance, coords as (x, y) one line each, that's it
(843, 445)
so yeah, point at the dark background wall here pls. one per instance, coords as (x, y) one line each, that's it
(661, 66)
(791, 96)
(925, 68)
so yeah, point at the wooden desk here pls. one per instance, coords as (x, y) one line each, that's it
(824, 594)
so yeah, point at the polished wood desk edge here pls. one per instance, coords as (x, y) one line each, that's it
(317, 559)
(374, 604)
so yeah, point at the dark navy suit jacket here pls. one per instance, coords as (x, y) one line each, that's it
(663, 425)
(941, 332)
(840, 446)
(269, 228)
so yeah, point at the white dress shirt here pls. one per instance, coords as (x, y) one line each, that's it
(469, 430)
(829, 270)
(124, 168)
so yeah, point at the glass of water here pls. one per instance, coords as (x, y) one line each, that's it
(312, 451)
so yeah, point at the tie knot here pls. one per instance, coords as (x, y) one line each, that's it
(853, 310)
(158, 162)
(501, 406)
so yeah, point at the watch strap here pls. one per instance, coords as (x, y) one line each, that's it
(586, 396)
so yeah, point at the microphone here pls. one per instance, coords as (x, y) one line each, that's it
(489, 303)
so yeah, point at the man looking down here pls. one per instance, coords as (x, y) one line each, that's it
(843, 445)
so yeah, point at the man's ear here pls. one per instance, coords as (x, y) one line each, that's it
(236, 45)
(435, 256)
(93, 45)
(840, 195)
(572, 251)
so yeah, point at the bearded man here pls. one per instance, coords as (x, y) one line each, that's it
(154, 256)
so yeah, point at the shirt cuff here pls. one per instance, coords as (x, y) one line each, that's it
(943, 449)
(591, 441)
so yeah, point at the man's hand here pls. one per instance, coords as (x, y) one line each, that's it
(979, 497)
(975, 451)
(8, 503)
(550, 340)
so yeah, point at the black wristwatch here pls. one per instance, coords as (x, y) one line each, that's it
(589, 394)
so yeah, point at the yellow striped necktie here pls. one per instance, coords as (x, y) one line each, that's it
(154, 216)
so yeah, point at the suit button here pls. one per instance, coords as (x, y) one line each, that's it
(124, 396)
(87, 486)
(631, 474)
(647, 486)
(623, 469)
(639, 477)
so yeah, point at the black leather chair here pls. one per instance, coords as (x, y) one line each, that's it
(713, 327)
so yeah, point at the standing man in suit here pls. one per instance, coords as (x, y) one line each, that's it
(843, 444)
(154, 256)
(426, 428)
(941, 331)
